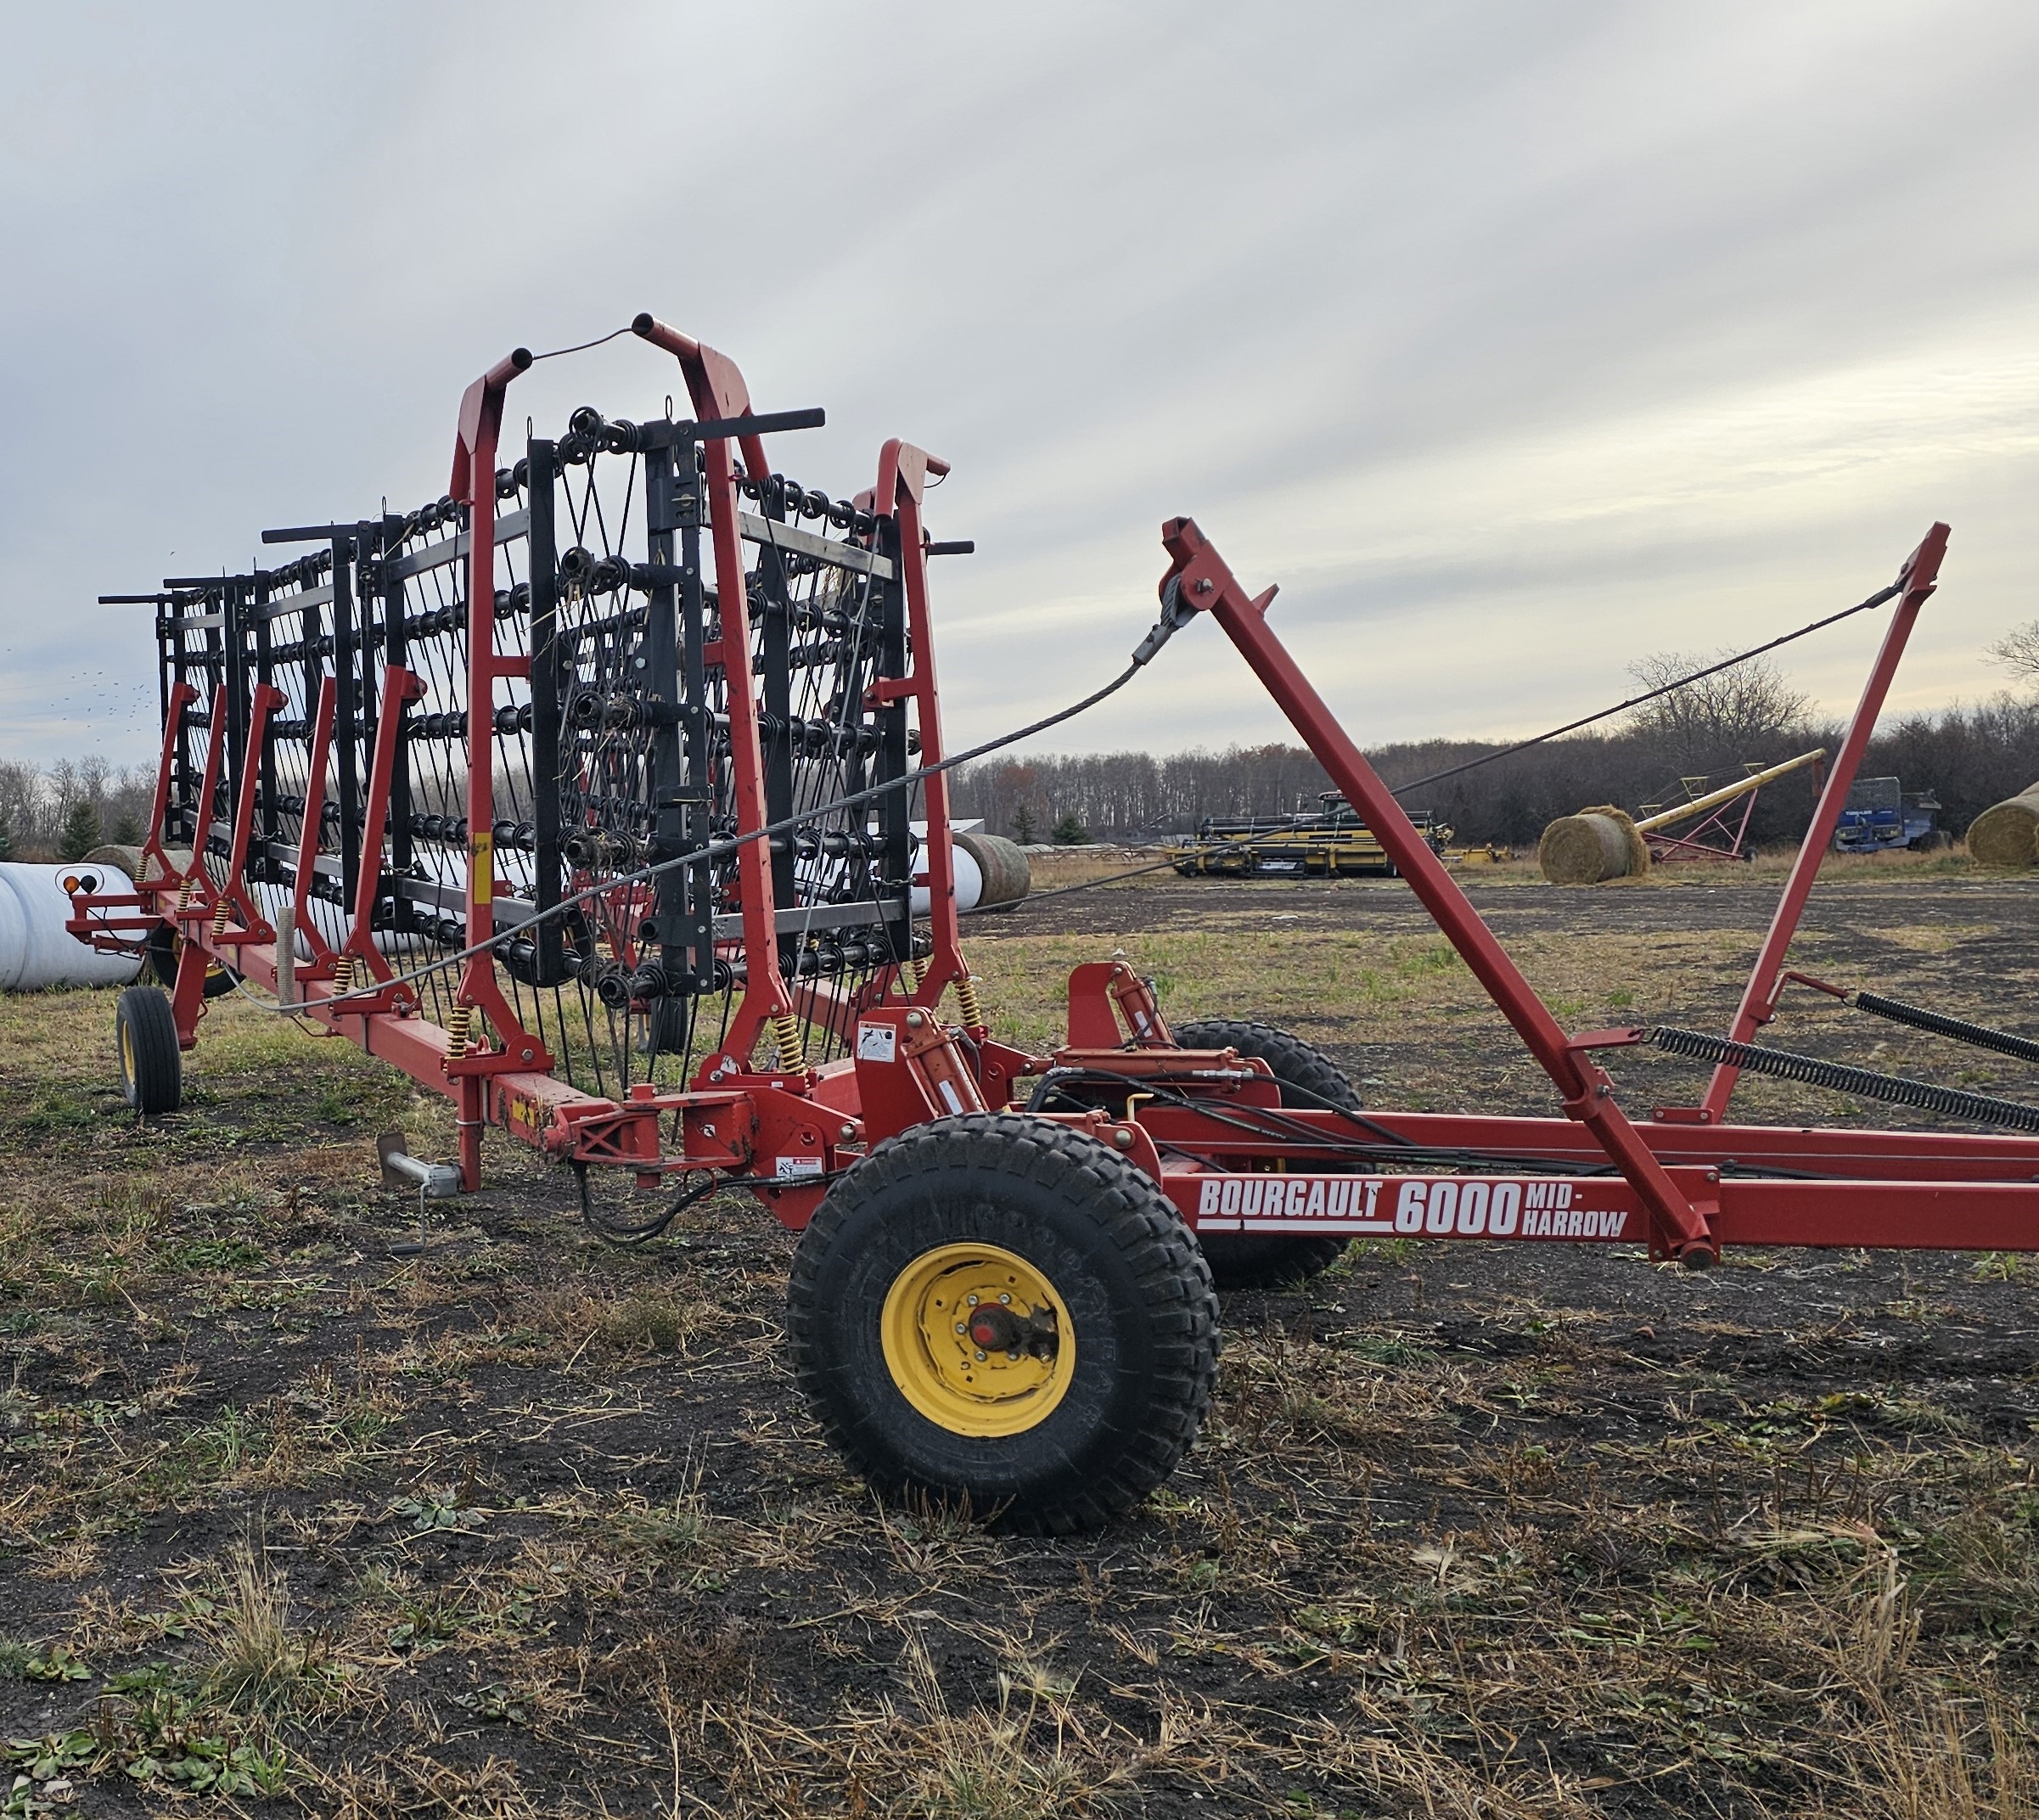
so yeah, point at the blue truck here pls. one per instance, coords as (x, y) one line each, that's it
(1880, 817)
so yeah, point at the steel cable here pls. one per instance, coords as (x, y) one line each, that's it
(1877, 599)
(721, 849)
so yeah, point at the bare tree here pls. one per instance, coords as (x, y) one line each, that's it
(76, 780)
(20, 801)
(2018, 651)
(1721, 719)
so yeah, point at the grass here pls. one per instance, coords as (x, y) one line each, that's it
(263, 1667)
(527, 1526)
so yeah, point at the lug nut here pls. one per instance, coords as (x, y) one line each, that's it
(973, 1301)
(1006, 1298)
(980, 1358)
(961, 1328)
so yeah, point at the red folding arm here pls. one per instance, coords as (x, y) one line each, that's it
(1198, 579)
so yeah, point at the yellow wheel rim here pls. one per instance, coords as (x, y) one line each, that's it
(127, 1053)
(977, 1339)
(214, 972)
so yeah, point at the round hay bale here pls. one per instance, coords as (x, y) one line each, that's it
(1008, 877)
(2007, 832)
(129, 859)
(1594, 845)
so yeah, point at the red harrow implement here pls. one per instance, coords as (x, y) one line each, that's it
(592, 796)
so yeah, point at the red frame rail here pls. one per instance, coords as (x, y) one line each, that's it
(1928, 1189)
(1208, 1126)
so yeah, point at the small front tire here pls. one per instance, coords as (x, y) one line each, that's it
(152, 1064)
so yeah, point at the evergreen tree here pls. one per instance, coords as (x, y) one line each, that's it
(80, 831)
(1026, 830)
(127, 830)
(1070, 832)
(7, 836)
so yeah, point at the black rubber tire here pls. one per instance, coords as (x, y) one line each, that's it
(152, 1065)
(1310, 1079)
(1136, 1287)
(164, 946)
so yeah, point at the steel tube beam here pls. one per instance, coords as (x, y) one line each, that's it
(1919, 578)
(1202, 580)
(1873, 1155)
(1605, 1209)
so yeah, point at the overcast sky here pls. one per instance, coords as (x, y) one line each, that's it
(1514, 340)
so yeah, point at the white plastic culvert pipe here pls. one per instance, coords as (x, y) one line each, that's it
(37, 952)
(989, 871)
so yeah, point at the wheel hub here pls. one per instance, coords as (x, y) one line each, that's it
(977, 1339)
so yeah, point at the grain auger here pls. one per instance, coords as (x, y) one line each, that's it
(604, 795)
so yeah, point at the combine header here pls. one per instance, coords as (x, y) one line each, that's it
(1334, 843)
(589, 795)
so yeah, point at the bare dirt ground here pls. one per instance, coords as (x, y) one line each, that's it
(527, 1526)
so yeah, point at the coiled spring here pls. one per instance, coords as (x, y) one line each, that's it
(1980, 1035)
(1977, 1108)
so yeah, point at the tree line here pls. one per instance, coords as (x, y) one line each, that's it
(62, 811)
(1692, 737)
(1701, 736)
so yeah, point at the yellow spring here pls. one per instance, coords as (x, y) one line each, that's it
(221, 911)
(459, 1031)
(785, 1037)
(911, 973)
(183, 897)
(343, 975)
(966, 996)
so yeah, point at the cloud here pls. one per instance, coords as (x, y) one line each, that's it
(1514, 342)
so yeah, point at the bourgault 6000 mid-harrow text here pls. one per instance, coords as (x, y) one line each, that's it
(594, 796)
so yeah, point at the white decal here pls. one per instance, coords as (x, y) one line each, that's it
(789, 1168)
(1408, 1210)
(1507, 1209)
(1279, 1203)
(1455, 1207)
(877, 1043)
(1472, 1209)
(1444, 1205)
